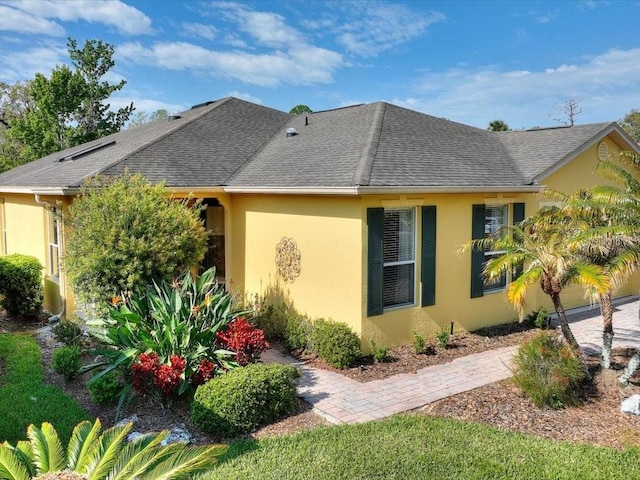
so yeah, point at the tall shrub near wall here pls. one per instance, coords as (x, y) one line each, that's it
(21, 285)
(126, 233)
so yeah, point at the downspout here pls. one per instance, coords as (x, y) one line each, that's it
(63, 293)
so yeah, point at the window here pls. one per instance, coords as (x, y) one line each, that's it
(392, 254)
(399, 252)
(495, 218)
(3, 226)
(54, 243)
(487, 221)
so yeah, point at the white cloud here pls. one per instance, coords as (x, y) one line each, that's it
(14, 20)
(303, 65)
(23, 65)
(526, 99)
(199, 30)
(125, 18)
(144, 105)
(382, 26)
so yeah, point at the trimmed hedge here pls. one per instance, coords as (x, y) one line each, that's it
(334, 342)
(21, 285)
(244, 399)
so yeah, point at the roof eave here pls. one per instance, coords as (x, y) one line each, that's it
(385, 190)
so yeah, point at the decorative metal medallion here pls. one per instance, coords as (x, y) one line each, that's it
(288, 259)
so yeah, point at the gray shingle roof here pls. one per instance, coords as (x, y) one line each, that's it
(239, 144)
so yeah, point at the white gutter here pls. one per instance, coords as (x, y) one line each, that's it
(385, 190)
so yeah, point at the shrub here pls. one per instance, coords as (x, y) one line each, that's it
(106, 389)
(150, 236)
(548, 371)
(67, 361)
(379, 352)
(418, 343)
(68, 332)
(538, 318)
(21, 285)
(272, 320)
(244, 399)
(335, 343)
(296, 332)
(150, 376)
(174, 319)
(243, 338)
(443, 336)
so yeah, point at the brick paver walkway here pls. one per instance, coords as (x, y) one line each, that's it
(340, 399)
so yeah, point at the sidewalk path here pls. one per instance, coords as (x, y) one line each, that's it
(340, 399)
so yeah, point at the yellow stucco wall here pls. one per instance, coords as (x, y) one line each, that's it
(328, 235)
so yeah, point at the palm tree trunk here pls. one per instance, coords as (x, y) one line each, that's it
(567, 333)
(607, 329)
(564, 323)
(630, 369)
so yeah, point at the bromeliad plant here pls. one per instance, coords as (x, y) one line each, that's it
(174, 322)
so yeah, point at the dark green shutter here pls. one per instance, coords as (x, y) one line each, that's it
(518, 216)
(477, 254)
(375, 259)
(428, 256)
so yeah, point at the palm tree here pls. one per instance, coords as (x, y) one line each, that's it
(539, 249)
(93, 454)
(592, 225)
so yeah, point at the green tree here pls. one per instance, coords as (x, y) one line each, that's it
(69, 107)
(124, 234)
(14, 102)
(97, 454)
(498, 126)
(631, 124)
(140, 118)
(300, 109)
(539, 249)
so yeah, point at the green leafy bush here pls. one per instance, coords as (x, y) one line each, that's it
(68, 332)
(548, 371)
(151, 237)
(272, 320)
(67, 361)
(179, 318)
(418, 343)
(296, 332)
(538, 318)
(21, 285)
(379, 352)
(443, 336)
(244, 399)
(106, 389)
(335, 343)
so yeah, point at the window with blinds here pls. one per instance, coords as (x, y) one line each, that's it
(399, 256)
(495, 218)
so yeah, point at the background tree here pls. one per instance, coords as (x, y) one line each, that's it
(69, 107)
(140, 118)
(14, 102)
(631, 124)
(571, 109)
(125, 233)
(498, 126)
(300, 109)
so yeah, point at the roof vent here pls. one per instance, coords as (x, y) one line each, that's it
(291, 132)
(174, 116)
(86, 151)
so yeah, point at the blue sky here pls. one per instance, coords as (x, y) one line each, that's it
(468, 61)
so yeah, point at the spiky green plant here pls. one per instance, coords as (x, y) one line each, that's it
(93, 454)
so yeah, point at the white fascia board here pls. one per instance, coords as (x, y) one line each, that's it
(365, 190)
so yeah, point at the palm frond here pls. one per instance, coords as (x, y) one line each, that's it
(185, 463)
(11, 467)
(110, 443)
(48, 454)
(518, 288)
(138, 456)
(82, 444)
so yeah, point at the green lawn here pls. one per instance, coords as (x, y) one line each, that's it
(25, 398)
(420, 447)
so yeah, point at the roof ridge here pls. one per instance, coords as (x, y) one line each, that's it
(362, 172)
(180, 126)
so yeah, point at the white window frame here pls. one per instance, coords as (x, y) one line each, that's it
(53, 234)
(403, 262)
(501, 285)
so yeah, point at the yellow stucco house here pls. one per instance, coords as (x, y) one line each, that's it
(353, 214)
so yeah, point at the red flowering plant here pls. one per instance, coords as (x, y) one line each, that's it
(167, 337)
(243, 338)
